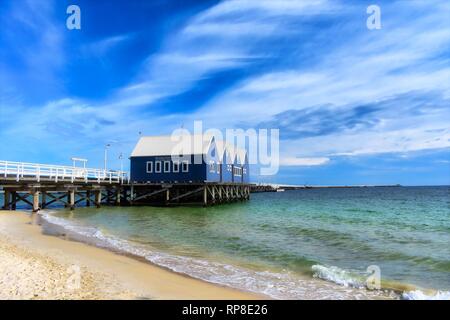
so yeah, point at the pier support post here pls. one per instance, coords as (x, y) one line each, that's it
(35, 201)
(98, 198)
(6, 200)
(71, 199)
(205, 196)
(118, 196)
(167, 196)
(132, 195)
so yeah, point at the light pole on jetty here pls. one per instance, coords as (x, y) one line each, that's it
(106, 154)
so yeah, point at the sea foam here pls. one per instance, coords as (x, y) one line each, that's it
(276, 285)
(420, 295)
(339, 276)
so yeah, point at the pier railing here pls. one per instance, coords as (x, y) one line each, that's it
(37, 172)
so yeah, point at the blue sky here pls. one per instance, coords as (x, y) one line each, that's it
(354, 106)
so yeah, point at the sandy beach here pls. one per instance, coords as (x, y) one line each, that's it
(38, 266)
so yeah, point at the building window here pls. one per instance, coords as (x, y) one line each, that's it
(229, 167)
(166, 166)
(219, 168)
(245, 171)
(157, 166)
(149, 166)
(185, 166)
(176, 166)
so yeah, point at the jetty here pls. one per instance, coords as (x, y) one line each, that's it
(40, 186)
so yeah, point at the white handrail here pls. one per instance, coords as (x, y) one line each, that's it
(24, 170)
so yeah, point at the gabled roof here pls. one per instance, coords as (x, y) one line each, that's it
(189, 144)
(165, 145)
(220, 148)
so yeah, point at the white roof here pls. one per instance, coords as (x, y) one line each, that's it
(184, 144)
(166, 145)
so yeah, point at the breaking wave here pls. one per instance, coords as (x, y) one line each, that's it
(420, 295)
(339, 284)
(339, 276)
(357, 279)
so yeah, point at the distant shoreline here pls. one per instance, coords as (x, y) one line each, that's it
(262, 187)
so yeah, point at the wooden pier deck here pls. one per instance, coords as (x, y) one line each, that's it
(40, 186)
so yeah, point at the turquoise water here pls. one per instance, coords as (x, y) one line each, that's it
(279, 242)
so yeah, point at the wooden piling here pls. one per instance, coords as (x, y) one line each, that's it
(98, 198)
(35, 195)
(6, 200)
(205, 196)
(118, 196)
(71, 198)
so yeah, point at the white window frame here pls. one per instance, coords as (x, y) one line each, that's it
(151, 167)
(219, 168)
(176, 163)
(156, 166)
(185, 163)
(166, 163)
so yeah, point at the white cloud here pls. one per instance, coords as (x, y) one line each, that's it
(32, 35)
(102, 46)
(362, 68)
(223, 37)
(268, 8)
(292, 161)
(368, 67)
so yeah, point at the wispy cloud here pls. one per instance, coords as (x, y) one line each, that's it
(310, 68)
(216, 40)
(303, 162)
(102, 46)
(375, 92)
(32, 47)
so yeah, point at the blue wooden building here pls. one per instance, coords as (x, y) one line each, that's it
(191, 159)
